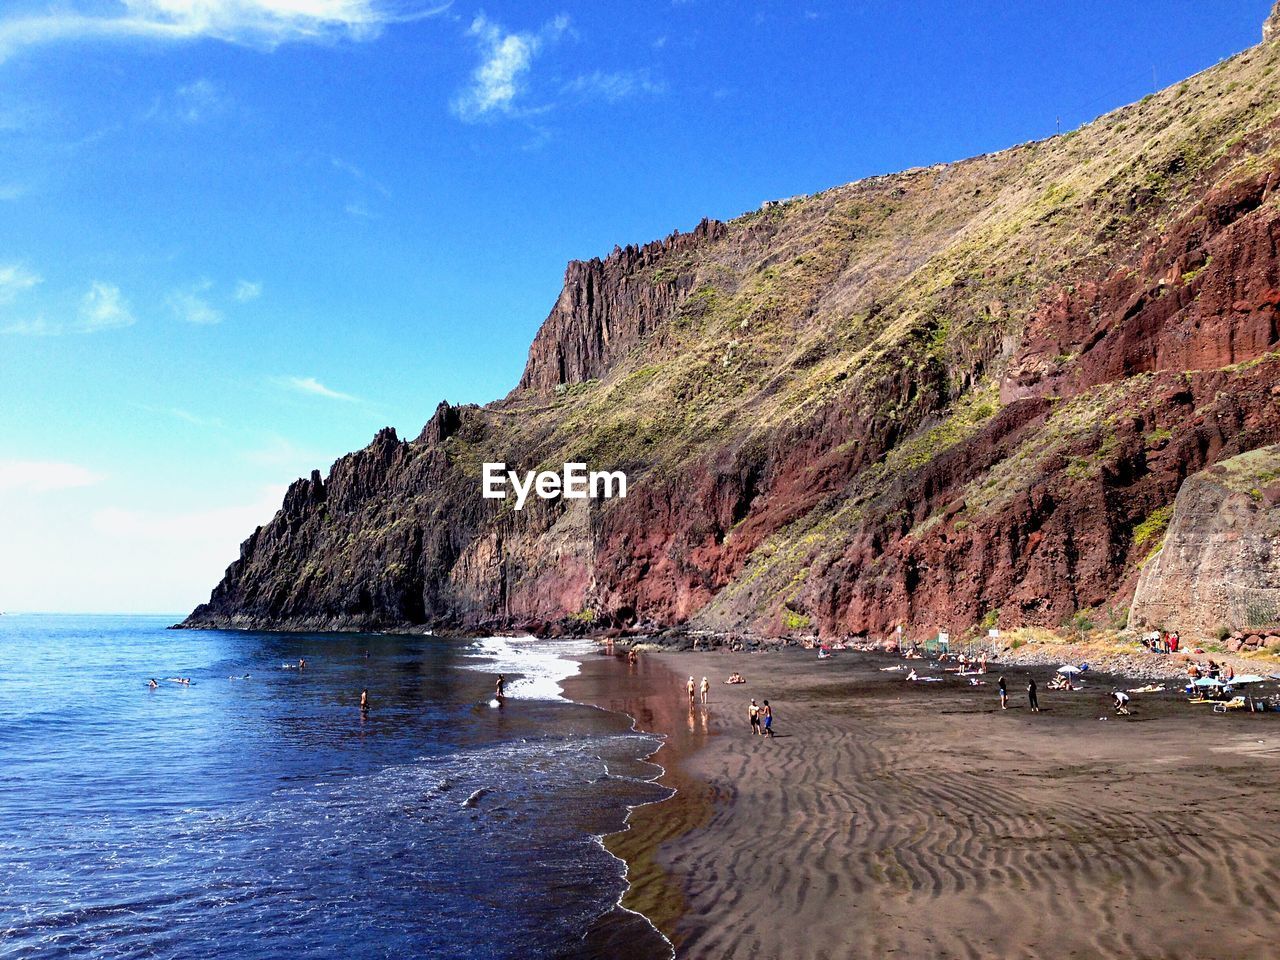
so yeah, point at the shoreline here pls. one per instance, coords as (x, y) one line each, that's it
(897, 819)
(644, 694)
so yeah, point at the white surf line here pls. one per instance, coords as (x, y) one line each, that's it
(541, 672)
(626, 822)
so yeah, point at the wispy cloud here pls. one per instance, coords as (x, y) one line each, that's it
(265, 24)
(186, 416)
(192, 103)
(37, 327)
(15, 279)
(612, 87)
(42, 476)
(359, 175)
(313, 387)
(279, 451)
(104, 308)
(190, 306)
(247, 290)
(503, 73)
(12, 191)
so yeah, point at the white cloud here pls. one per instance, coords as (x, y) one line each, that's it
(280, 452)
(247, 290)
(103, 308)
(191, 307)
(39, 327)
(192, 103)
(312, 386)
(505, 62)
(15, 279)
(12, 191)
(358, 210)
(42, 476)
(259, 23)
(613, 87)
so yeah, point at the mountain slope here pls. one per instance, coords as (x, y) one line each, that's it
(918, 398)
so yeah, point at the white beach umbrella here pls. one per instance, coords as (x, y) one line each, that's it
(1206, 682)
(1069, 669)
(1246, 678)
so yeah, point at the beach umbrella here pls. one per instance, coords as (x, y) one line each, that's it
(1206, 682)
(1069, 669)
(1247, 678)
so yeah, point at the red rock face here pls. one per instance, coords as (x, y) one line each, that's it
(1206, 296)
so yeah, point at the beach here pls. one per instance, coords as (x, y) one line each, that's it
(897, 819)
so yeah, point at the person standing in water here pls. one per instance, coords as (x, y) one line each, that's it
(692, 688)
(500, 686)
(768, 719)
(753, 713)
(1031, 695)
(1004, 694)
(704, 688)
(364, 701)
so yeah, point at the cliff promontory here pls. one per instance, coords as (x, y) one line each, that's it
(964, 392)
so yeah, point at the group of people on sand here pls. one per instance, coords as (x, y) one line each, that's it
(761, 718)
(698, 690)
(1033, 699)
(760, 715)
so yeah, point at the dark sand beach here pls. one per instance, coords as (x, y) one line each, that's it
(891, 819)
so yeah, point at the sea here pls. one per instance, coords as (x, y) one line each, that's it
(258, 813)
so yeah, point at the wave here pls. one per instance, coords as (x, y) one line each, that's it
(539, 665)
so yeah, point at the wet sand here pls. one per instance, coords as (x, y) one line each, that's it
(890, 819)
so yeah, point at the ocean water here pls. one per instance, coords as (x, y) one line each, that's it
(257, 814)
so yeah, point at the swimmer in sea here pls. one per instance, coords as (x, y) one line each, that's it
(364, 701)
(152, 683)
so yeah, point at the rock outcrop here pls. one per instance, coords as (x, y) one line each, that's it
(957, 393)
(1219, 567)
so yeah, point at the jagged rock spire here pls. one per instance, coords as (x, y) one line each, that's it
(1271, 27)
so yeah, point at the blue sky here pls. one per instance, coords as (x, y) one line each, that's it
(239, 236)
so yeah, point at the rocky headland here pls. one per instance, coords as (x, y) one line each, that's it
(979, 392)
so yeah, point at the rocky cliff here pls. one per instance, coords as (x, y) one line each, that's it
(947, 395)
(1217, 569)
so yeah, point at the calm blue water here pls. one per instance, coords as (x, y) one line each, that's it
(265, 817)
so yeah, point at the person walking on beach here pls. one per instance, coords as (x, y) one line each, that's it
(693, 690)
(753, 712)
(1004, 694)
(704, 688)
(1031, 695)
(500, 686)
(768, 719)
